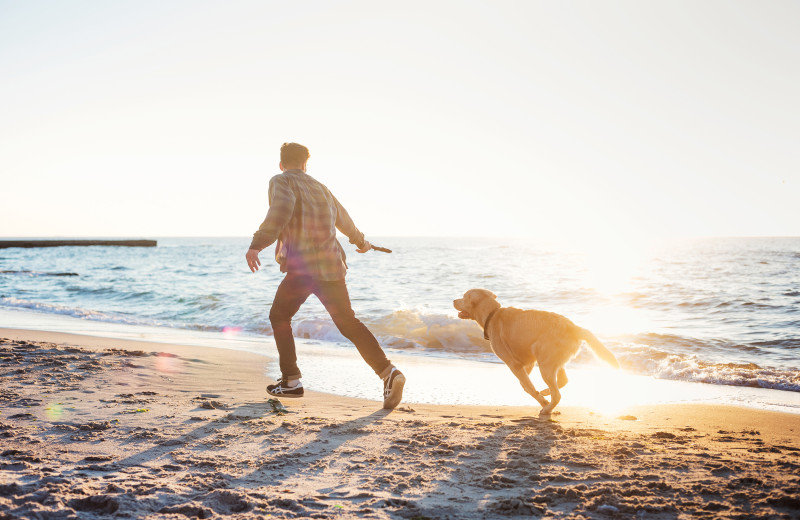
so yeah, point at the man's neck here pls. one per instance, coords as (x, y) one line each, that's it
(285, 168)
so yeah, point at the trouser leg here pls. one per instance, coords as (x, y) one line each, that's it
(291, 293)
(335, 298)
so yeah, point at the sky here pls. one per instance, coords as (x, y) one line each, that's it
(571, 120)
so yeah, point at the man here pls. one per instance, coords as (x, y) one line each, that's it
(303, 218)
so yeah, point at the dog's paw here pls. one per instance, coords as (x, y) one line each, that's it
(541, 400)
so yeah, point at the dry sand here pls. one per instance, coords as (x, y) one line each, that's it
(93, 427)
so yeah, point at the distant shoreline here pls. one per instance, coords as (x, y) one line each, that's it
(4, 244)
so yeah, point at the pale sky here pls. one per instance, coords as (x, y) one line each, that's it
(533, 118)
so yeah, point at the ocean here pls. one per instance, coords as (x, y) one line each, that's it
(716, 318)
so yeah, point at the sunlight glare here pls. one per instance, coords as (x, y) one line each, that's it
(609, 392)
(611, 262)
(611, 320)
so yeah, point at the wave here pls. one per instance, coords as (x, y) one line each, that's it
(713, 305)
(646, 360)
(431, 331)
(790, 343)
(406, 329)
(76, 312)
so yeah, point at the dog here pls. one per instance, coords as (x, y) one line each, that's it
(522, 338)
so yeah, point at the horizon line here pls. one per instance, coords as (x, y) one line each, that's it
(378, 235)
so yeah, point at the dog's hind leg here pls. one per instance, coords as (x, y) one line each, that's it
(525, 381)
(551, 380)
(562, 380)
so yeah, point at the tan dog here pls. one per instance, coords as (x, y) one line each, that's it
(523, 338)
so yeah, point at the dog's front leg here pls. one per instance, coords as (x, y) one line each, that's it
(527, 385)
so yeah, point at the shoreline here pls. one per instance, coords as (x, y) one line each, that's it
(92, 426)
(339, 370)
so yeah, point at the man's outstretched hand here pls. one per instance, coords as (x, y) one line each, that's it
(364, 248)
(252, 260)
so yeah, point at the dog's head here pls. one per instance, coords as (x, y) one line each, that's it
(472, 299)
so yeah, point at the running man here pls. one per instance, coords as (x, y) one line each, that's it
(303, 218)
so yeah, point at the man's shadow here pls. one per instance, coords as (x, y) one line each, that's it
(325, 443)
(205, 429)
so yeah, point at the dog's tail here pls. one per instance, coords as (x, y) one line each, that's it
(598, 348)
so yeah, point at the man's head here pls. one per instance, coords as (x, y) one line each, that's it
(294, 156)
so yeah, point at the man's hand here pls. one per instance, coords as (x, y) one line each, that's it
(252, 260)
(365, 247)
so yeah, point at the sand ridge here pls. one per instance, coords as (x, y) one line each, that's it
(157, 431)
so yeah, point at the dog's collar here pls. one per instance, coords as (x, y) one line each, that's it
(486, 323)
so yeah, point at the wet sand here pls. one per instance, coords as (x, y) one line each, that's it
(91, 427)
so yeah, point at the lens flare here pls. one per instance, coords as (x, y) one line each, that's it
(54, 411)
(231, 332)
(168, 363)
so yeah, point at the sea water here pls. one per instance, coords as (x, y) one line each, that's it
(703, 319)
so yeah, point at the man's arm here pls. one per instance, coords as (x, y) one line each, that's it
(281, 207)
(346, 225)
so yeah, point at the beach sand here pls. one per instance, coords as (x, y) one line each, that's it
(92, 427)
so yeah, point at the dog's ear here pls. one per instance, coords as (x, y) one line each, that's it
(482, 293)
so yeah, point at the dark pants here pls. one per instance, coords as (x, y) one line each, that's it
(292, 292)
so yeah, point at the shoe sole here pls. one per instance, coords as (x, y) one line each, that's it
(396, 395)
(292, 396)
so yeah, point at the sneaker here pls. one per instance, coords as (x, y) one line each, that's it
(393, 389)
(282, 389)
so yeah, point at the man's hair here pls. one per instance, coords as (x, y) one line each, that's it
(294, 155)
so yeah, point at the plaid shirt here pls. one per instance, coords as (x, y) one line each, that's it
(303, 217)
